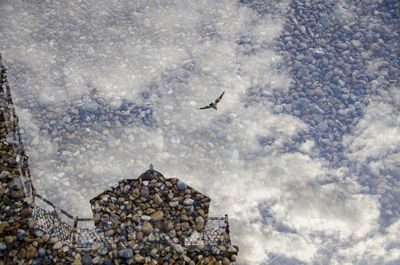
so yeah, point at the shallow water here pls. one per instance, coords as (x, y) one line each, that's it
(302, 153)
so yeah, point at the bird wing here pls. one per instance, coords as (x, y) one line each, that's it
(206, 107)
(214, 103)
(220, 97)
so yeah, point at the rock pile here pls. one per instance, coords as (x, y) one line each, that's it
(19, 242)
(153, 219)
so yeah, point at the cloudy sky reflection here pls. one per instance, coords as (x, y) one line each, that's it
(302, 154)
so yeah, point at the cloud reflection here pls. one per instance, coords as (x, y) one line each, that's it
(104, 88)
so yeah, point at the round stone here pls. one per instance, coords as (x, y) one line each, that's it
(188, 201)
(157, 216)
(102, 251)
(97, 260)
(21, 234)
(30, 252)
(107, 262)
(153, 252)
(127, 188)
(139, 258)
(323, 126)
(146, 218)
(57, 245)
(151, 237)
(3, 246)
(86, 260)
(109, 232)
(181, 185)
(173, 203)
(41, 252)
(37, 261)
(226, 261)
(199, 222)
(39, 233)
(16, 184)
(157, 199)
(178, 248)
(147, 227)
(126, 253)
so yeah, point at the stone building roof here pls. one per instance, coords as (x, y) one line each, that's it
(152, 198)
(153, 213)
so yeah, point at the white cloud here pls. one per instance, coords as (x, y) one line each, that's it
(378, 248)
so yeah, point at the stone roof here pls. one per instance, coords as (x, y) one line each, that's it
(151, 199)
(151, 211)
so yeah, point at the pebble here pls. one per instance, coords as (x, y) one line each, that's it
(41, 252)
(153, 252)
(146, 218)
(2, 226)
(16, 184)
(323, 126)
(109, 232)
(30, 252)
(57, 245)
(173, 204)
(102, 251)
(226, 261)
(3, 246)
(21, 234)
(97, 260)
(157, 216)
(125, 253)
(178, 248)
(157, 199)
(139, 258)
(107, 262)
(188, 201)
(199, 222)
(139, 236)
(86, 260)
(151, 237)
(39, 233)
(181, 185)
(147, 227)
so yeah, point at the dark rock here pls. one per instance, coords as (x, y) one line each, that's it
(107, 262)
(16, 184)
(86, 260)
(38, 261)
(181, 185)
(21, 234)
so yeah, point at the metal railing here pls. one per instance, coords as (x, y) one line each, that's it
(49, 221)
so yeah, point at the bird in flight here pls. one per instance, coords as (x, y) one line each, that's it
(214, 104)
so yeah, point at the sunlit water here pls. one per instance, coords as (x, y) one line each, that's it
(104, 88)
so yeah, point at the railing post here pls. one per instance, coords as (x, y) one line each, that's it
(74, 231)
